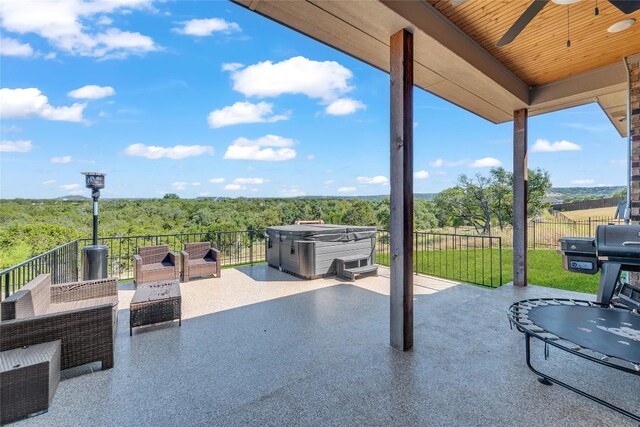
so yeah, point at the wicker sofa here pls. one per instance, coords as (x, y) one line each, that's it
(154, 263)
(200, 259)
(82, 315)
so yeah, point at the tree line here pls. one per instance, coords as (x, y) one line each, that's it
(30, 227)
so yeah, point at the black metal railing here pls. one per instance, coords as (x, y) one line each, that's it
(473, 259)
(236, 247)
(547, 234)
(60, 262)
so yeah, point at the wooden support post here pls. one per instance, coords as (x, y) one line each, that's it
(401, 262)
(520, 183)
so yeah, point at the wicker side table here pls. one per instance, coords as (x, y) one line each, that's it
(155, 302)
(29, 377)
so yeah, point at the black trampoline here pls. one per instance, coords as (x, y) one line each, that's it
(606, 335)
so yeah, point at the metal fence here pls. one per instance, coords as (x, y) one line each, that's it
(236, 248)
(466, 258)
(473, 259)
(60, 262)
(545, 234)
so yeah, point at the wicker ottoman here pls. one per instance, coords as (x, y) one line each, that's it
(29, 377)
(155, 302)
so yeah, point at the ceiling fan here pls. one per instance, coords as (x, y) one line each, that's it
(625, 6)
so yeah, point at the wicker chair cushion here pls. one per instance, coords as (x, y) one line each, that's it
(75, 305)
(154, 254)
(202, 261)
(157, 266)
(197, 250)
(33, 299)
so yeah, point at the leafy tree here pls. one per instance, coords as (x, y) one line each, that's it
(485, 200)
(171, 196)
(424, 215)
(359, 212)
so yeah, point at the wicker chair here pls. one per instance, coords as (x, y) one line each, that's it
(154, 263)
(199, 259)
(82, 315)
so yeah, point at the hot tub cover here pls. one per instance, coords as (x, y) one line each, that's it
(324, 232)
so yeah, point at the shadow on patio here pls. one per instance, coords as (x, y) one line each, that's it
(294, 352)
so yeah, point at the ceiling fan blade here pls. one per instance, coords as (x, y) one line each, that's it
(522, 22)
(626, 7)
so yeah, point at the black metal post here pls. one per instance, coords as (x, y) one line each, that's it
(96, 195)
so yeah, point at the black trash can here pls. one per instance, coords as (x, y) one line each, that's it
(94, 262)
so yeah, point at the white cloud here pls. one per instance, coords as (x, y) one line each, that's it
(21, 146)
(206, 27)
(61, 159)
(70, 187)
(179, 185)
(326, 80)
(104, 20)
(421, 174)
(176, 152)
(13, 47)
(92, 92)
(486, 162)
(49, 182)
(293, 191)
(64, 25)
(618, 162)
(588, 127)
(9, 129)
(203, 194)
(344, 106)
(310, 157)
(30, 102)
(216, 180)
(544, 146)
(346, 190)
(328, 182)
(231, 66)
(244, 112)
(254, 181)
(381, 180)
(246, 149)
(234, 187)
(582, 182)
(438, 163)
(266, 141)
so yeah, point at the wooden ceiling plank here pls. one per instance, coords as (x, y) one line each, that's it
(542, 41)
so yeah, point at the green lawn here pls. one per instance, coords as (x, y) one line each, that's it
(483, 267)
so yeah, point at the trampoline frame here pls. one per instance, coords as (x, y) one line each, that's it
(525, 326)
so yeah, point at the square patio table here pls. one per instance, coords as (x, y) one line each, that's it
(155, 302)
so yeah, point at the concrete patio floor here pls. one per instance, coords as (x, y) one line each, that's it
(259, 347)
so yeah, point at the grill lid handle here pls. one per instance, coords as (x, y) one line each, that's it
(632, 243)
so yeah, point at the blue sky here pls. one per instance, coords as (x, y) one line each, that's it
(210, 99)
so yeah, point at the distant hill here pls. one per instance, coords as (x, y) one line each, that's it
(556, 195)
(571, 194)
(74, 198)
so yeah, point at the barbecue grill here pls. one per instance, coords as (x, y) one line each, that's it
(615, 248)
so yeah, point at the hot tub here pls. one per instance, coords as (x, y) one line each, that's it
(310, 251)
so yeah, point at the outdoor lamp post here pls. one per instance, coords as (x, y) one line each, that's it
(94, 181)
(94, 257)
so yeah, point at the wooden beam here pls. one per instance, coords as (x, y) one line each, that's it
(401, 263)
(520, 183)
